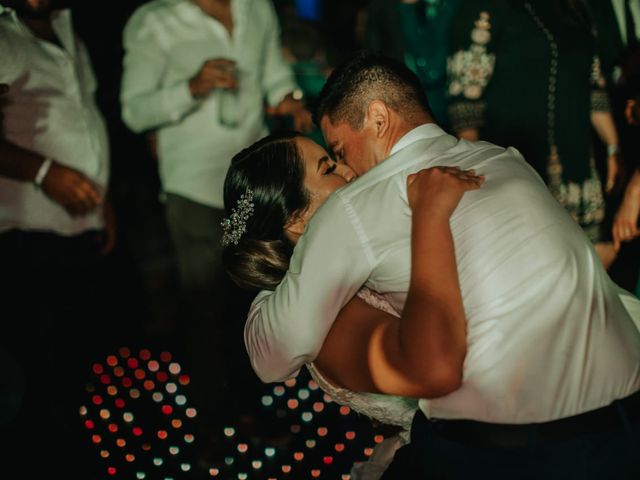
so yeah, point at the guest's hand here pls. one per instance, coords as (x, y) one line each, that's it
(302, 120)
(214, 73)
(71, 189)
(625, 223)
(613, 173)
(109, 235)
(437, 191)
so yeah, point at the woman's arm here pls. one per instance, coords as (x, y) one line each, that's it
(421, 354)
(625, 224)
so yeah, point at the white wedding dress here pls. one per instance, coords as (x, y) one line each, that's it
(387, 409)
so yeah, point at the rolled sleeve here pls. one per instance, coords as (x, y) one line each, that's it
(278, 80)
(286, 328)
(146, 102)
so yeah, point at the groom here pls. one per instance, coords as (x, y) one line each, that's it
(552, 371)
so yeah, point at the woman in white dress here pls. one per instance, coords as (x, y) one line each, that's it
(272, 190)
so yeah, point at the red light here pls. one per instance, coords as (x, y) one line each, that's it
(167, 409)
(350, 435)
(139, 374)
(137, 431)
(315, 473)
(149, 385)
(96, 438)
(145, 354)
(126, 382)
(165, 356)
(97, 368)
(112, 360)
(124, 352)
(119, 403)
(113, 428)
(89, 424)
(106, 379)
(339, 447)
(132, 363)
(112, 470)
(162, 376)
(162, 434)
(184, 379)
(327, 460)
(97, 399)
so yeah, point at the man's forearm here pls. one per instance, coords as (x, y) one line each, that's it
(18, 163)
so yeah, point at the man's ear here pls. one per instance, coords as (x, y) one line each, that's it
(378, 116)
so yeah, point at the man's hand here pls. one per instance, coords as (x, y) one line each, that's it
(71, 189)
(438, 190)
(214, 73)
(302, 120)
(109, 235)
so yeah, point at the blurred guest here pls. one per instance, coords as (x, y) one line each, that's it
(54, 219)
(415, 32)
(526, 74)
(196, 73)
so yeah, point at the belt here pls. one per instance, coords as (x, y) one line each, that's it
(481, 434)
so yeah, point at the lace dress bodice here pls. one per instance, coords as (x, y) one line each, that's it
(387, 409)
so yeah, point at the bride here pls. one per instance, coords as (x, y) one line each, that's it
(271, 191)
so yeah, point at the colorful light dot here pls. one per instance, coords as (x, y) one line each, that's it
(144, 354)
(158, 461)
(149, 385)
(165, 357)
(189, 438)
(303, 394)
(113, 428)
(290, 383)
(118, 372)
(267, 400)
(119, 402)
(104, 453)
(162, 434)
(350, 435)
(157, 397)
(137, 431)
(322, 431)
(181, 400)
(146, 447)
(229, 460)
(184, 380)
(121, 442)
(132, 363)
(127, 417)
(242, 476)
(174, 368)
(313, 385)
(97, 400)
(269, 451)
(229, 432)
(105, 379)
(112, 390)
(243, 447)
(141, 475)
(295, 428)
(315, 473)
(173, 450)
(162, 377)
(134, 393)
(104, 413)
(153, 366)
(112, 470)
(214, 472)
(286, 468)
(167, 409)
(378, 438)
(139, 373)
(112, 360)
(318, 407)
(307, 416)
(278, 390)
(97, 368)
(124, 352)
(129, 457)
(346, 476)
(176, 423)
(327, 398)
(339, 447)
(185, 467)
(171, 387)
(96, 439)
(127, 382)
(191, 412)
(327, 460)
(83, 411)
(298, 456)
(292, 403)
(89, 424)
(310, 443)
(368, 451)
(256, 464)
(344, 410)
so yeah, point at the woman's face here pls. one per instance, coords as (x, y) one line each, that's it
(323, 175)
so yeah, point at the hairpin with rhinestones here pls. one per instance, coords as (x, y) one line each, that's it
(236, 224)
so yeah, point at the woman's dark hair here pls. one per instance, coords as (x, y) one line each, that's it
(272, 168)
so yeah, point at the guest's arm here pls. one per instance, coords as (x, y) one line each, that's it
(625, 224)
(422, 354)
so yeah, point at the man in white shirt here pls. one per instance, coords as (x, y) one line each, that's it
(548, 335)
(197, 73)
(54, 219)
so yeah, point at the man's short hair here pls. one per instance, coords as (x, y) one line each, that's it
(367, 77)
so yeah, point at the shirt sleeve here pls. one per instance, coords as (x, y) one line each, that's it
(146, 102)
(286, 328)
(471, 62)
(278, 79)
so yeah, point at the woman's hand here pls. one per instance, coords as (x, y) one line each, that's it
(625, 224)
(438, 190)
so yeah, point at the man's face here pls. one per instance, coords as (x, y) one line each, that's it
(356, 148)
(32, 8)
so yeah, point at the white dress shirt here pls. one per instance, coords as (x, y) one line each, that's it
(548, 335)
(166, 42)
(50, 109)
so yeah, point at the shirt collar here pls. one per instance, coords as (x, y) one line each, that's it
(426, 130)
